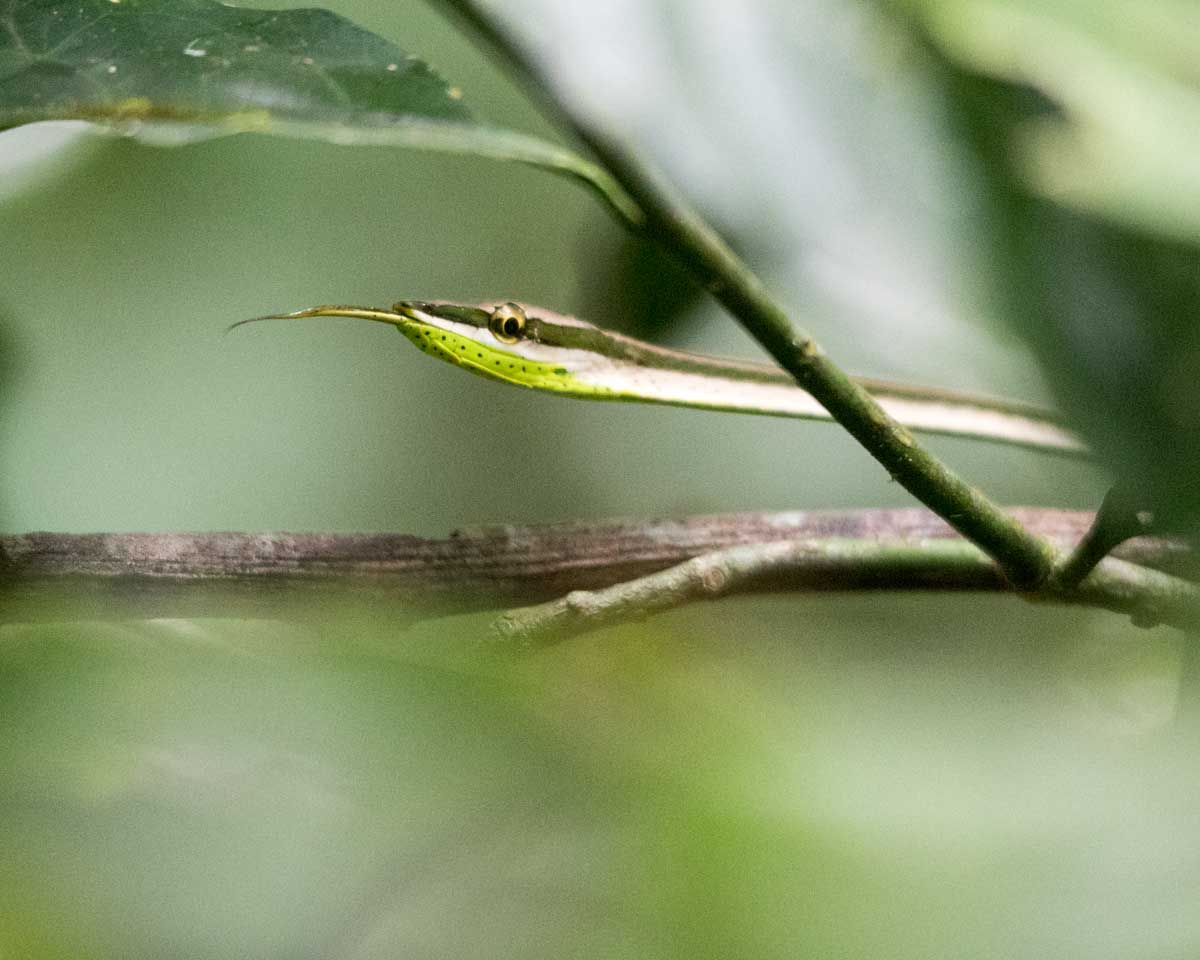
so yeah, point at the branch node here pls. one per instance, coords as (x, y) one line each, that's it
(579, 602)
(1118, 519)
(713, 580)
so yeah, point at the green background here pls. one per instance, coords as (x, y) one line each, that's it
(908, 777)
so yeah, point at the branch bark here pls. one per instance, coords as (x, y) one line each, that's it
(51, 576)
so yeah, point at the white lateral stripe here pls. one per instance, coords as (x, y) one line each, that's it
(699, 390)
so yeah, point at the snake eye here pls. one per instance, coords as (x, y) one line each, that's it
(507, 323)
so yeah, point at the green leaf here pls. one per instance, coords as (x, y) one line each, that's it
(171, 71)
(197, 61)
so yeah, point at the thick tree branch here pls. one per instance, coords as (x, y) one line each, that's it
(49, 576)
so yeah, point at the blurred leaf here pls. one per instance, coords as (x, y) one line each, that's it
(172, 71)
(1109, 304)
(629, 284)
(1125, 78)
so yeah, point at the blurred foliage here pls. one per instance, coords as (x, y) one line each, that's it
(635, 288)
(1090, 266)
(1123, 76)
(845, 779)
(841, 776)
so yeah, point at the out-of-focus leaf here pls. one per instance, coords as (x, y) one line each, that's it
(629, 284)
(1125, 78)
(1106, 293)
(172, 71)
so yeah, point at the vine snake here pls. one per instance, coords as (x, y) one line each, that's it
(543, 350)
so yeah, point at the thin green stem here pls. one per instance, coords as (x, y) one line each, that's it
(1117, 520)
(1025, 560)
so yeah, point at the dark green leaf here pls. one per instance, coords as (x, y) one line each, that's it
(197, 61)
(169, 71)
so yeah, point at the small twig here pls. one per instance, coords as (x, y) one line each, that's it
(1148, 596)
(832, 564)
(1117, 520)
(1026, 560)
